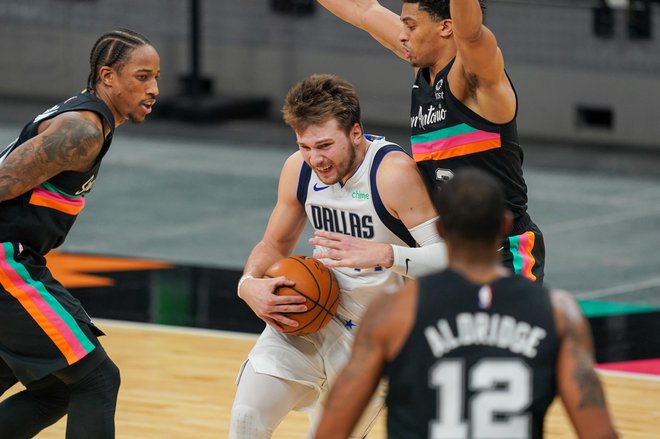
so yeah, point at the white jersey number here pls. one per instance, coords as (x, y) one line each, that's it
(503, 389)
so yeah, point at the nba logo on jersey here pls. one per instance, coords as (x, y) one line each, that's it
(485, 297)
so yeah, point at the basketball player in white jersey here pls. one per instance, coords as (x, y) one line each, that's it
(346, 182)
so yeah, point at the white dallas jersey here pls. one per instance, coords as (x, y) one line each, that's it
(356, 209)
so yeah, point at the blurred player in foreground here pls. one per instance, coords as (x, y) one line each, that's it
(472, 351)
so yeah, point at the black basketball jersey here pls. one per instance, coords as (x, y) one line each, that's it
(479, 361)
(446, 135)
(42, 217)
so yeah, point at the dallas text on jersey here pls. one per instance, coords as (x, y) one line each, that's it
(339, 221)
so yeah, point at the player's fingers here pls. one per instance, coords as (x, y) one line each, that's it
(326, 254)
(293, 308)
(274, 324)
(283, 281)
(285, 321)
(330, 236)
(328, 243)
(334, 263)
(345, 261)
(288, 300)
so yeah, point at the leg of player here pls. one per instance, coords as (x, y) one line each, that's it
(262, 401)
(92, 403)
(26, 413)
(367, 420)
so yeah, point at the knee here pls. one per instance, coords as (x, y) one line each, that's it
(246, 423)
(109, 379)
(103, 380)
(113, 376)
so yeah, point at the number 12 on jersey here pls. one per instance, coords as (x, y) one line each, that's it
(501, 391)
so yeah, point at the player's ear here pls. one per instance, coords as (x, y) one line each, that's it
(446, 27)
(106, 75)
(507, 223)
(356, 133)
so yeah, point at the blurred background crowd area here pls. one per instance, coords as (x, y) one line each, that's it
(585, 70)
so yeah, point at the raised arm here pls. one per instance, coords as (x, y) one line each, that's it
(478, 78)
(578, 384)
(286, 224)
(370, 16)
(476, 44)
(69, 142)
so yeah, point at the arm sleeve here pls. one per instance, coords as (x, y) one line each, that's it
(430, 256)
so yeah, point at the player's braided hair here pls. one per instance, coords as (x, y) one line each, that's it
(438, 9)
(112, 49)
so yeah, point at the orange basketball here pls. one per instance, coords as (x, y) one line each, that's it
(314, 282)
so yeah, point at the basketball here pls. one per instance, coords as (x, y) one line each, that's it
(316, 283)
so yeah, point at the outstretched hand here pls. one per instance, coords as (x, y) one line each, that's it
(349, 251)
(260, 295)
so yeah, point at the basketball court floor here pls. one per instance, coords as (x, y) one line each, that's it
(176, 209)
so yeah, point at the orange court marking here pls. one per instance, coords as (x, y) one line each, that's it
(73, 271)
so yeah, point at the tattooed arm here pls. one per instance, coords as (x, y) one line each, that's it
(70, 141)
(578, 384)
(379, 339)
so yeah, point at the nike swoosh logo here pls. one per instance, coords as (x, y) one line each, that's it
(500, 249)
(319, 188)
(415, 86)
(407, 260)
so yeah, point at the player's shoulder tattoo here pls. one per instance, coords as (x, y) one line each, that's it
(76, 139)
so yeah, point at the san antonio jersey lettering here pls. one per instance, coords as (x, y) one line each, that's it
(356, 209)
(447, 135)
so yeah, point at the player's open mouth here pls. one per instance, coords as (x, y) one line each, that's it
(148, 105)
(324, 169)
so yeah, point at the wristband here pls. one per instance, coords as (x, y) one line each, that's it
(240, 282)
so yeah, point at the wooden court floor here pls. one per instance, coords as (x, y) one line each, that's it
(179, 383)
